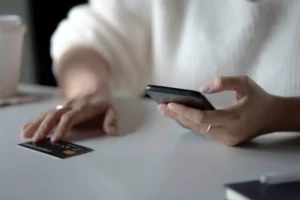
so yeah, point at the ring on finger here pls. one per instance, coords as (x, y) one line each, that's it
(59, 107)
(208, 128)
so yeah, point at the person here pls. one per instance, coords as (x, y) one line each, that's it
(105, 48)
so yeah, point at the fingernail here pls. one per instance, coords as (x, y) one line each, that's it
(165, 111)
(206, 88)
(24, 134)
(23, 128)
(174, 107)
(162, 107)
(25, 131)
(112, 131)
(54, 139)
(113, 123)
(36, 138)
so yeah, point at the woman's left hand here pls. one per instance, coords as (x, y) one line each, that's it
(250, 116)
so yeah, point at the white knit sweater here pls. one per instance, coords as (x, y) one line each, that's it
(183, 43)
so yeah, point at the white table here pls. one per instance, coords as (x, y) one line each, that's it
(154, 159)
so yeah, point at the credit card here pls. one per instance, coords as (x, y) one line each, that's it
(62, 149)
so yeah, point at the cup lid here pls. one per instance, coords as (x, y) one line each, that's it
(10, 22)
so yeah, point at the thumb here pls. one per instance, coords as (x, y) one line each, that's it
(239, 84)
(110, 121)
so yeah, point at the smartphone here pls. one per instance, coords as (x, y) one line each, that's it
(189, 98)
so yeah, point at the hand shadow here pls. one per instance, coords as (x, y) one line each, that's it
(276, 142)
(132, 114)
(91, 129)
(22, 98)
(283, 143)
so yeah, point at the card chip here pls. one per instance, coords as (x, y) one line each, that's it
(69, 152)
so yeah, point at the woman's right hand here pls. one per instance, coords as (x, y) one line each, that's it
(78, 110)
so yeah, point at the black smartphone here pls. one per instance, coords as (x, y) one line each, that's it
(190, 98)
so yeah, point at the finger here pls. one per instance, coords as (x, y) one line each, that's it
(233, 83)
(48, 124)
(222, 135)
(215, 117)
(216, 133)
(110, 121)
(165, 111)
(212, 132)
(189, 124)
(31, 127)
(66, 122)
(73, 117)
(25, 126)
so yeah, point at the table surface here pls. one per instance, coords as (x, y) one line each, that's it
(153, 158)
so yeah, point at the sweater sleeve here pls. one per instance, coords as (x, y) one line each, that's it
(119, 31)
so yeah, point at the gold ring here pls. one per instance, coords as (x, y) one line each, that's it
(208, 128)
(59, 107)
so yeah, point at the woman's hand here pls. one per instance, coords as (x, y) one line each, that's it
(78, 110)
(250, 116)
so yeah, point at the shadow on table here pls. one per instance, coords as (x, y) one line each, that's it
(23, 98)
(281, 142)
(132, 115)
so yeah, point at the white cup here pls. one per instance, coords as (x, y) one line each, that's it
(11, 41)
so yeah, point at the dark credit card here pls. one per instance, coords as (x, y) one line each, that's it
(60, 149)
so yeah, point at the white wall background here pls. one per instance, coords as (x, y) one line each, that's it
(21, 7)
